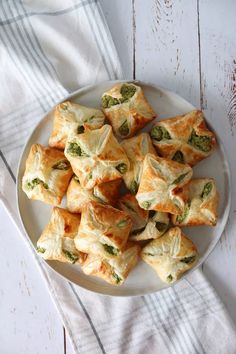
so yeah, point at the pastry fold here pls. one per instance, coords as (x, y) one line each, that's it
(170, 255)
(127, 109)
(103, 230)
(96, 157)
(156, 226)
(57, 239)
(136, 149)
(78, 197)
(72, 118)
(47, 174)
(116, 270)
(161, 185)
(201, 205)
(128, 203)
(184, 138)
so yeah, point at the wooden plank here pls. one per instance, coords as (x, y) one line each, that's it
(119, 19)
(218, 90)
(29, 323)
(166, 46)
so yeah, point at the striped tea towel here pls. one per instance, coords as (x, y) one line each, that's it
(49, 48)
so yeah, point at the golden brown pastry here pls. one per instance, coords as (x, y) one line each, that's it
(128, 203)
(47, 174)
(136, 149)
(113, 270)
(160, 185)
(170, 255)
(156, 226)
(202, 203)
(184, 138)
(72, 118)
(108, 192)
(103, 230)
(78, 197)
(127, 109)
(57, 239)
(96, 157)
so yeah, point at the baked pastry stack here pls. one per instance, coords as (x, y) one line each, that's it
(124, 188)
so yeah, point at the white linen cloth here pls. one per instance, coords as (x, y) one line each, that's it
(49, 48)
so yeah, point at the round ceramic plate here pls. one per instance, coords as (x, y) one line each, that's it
(142, 280)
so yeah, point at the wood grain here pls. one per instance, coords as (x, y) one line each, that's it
(167, 51)
(29, 323)
(119, 18)
(218, 69)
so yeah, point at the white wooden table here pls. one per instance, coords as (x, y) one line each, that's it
(188, 46)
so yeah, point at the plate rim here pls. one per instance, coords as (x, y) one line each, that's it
(222, 151)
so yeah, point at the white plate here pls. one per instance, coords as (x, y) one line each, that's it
(142, 280)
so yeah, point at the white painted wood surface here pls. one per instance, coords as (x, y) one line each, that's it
(188, 47)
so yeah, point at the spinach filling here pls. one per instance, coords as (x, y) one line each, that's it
(40, 249)
(71, 256)
(61, 165)
(149, 254)
(121, 223)
(180, 178)
(178, 157)
(75, 150)
(117, 278)
(182, 217)
(110, 249)
(160, 133)
(169, 278)
(124, 129)
(31, 185)
(133, 187)
(200, 142)
(122, 168)
(206, 190)
(127, 91)
(109, 101)
(146, 205)
(188, 260)
(160, 226)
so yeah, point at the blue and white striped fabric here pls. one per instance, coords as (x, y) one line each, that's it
(49, 48)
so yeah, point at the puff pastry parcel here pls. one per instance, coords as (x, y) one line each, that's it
(127, 109)
(113, 270)
(47, 174)
(136, 149)
(202, 203)
(183, 138)
(170, 255)
(103, 230)
(96, 157)
(160, 185)
(156, 226)
(128, 203)
(78, 197)
(72, 118)
(57, 239)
